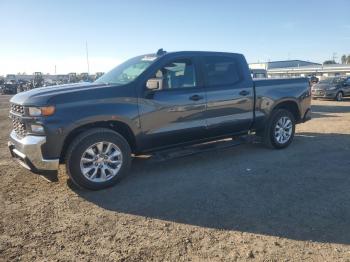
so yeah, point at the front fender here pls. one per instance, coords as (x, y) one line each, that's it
(70, 116)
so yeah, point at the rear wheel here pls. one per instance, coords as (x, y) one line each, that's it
(98, 158)
(279, 132)
(339, 96)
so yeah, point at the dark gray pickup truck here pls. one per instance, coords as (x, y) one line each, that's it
(151, 102)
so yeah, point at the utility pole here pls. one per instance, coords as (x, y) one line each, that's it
(334, 56)
(87, 57)
(55, 69)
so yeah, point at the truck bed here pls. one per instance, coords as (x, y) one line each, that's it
(270, 92)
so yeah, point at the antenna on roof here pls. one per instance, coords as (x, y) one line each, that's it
(161, 52)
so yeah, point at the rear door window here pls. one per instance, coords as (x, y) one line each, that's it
(221, 70)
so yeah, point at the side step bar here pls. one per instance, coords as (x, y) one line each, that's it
(184, 151)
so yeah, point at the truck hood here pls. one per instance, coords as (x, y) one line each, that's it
(41, 96)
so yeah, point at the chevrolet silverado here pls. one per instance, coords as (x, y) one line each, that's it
(148, 103)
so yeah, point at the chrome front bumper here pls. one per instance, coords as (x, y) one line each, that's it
(27, 151)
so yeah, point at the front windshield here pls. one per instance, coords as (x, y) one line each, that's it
(127, 71)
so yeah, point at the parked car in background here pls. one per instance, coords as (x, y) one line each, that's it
(149, 103)
(85, 77)
(49, 82)
(9, 88)
(332, 88)
(23, 85)
(258, 73)
(2, 82)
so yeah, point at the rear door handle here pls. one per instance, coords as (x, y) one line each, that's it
(196, 97)
(244, 93)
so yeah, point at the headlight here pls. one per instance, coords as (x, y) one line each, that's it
(332, 88)
(34, 111)
(41, 111)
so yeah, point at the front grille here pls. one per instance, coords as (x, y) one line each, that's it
(18, 126)
(17, 109)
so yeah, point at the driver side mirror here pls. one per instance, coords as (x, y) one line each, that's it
(154, 84)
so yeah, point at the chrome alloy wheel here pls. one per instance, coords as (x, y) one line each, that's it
(283, 130)
(101, 161)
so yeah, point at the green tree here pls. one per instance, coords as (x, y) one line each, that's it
(329, 62)
(343, 59)
(348, 59)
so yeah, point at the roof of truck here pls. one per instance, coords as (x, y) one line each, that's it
(202, 52)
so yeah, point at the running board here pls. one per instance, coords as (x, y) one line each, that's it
(184, 151)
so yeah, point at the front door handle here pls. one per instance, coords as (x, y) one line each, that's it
(196, 97)
(244, 93)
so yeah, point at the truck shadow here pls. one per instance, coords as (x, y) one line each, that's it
(322, 115)
(321, 111)
(331, 108)
(298, 193)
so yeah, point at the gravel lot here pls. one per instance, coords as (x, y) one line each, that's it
(245, 203)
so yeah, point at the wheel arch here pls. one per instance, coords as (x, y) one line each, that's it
(118, 126)
(291, 106)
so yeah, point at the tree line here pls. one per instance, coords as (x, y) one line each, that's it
(345, 60)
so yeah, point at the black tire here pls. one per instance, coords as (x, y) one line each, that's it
(339, 96)
(269, 137)
(83, 142)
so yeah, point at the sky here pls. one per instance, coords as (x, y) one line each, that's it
(44, 35)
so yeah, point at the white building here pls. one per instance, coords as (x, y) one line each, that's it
(320, 71)
(281, 64)
(300, 68)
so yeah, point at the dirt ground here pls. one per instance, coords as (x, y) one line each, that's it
(247, 203)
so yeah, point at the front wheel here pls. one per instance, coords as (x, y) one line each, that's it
(98, 159)
(339, 96)
(280, 129)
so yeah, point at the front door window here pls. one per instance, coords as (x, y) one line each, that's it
(178, 74)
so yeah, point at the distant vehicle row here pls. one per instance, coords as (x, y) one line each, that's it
(13, 84)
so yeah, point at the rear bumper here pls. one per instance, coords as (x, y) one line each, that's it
(27, 151)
